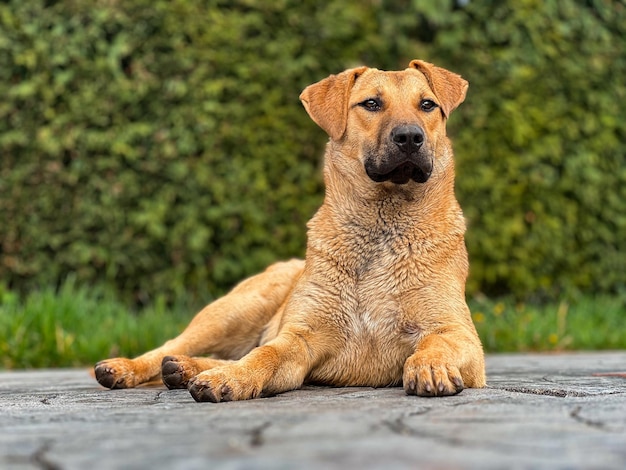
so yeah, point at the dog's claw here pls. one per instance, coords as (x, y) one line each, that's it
(458, 384)
(431, 381)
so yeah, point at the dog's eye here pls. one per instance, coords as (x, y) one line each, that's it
(371, 104)
(428, 105)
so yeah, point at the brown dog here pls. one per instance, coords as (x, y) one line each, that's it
(380, 298)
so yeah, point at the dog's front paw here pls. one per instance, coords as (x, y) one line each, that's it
(116, 373)
(224, 384)
(430, 378)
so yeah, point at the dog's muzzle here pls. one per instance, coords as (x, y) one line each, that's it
(407, 159)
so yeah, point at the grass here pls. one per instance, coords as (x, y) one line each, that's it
(589, 323)
(77, 326)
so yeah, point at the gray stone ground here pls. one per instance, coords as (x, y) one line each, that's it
(538, 411)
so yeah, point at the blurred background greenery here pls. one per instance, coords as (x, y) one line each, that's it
(157, 149)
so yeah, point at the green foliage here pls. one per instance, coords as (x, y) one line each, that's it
(541, 142)
(159, 146)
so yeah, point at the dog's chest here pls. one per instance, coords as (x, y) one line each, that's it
(375, 339)
(378, 307)
(374, 344)
(375, 275)
(376, 278)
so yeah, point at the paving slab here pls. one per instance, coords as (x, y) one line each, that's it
(538, 411)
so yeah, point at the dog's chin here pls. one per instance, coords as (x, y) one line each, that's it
(401, 174)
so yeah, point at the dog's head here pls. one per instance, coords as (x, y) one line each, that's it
(394, 120)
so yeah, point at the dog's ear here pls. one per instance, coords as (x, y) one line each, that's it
(449, 87)
(327, 101)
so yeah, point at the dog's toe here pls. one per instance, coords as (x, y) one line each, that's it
(428, 380)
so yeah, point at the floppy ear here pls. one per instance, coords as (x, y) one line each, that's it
(449, 87)
(327, 101)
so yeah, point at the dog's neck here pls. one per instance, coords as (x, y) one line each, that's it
(354, 205)
(361, 221)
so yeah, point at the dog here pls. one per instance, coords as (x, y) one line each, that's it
(380, 298)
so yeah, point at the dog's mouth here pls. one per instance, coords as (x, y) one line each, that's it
(401, 174)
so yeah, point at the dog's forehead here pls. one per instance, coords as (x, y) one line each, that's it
(380, 82)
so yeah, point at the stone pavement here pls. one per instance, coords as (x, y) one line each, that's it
(538, 411)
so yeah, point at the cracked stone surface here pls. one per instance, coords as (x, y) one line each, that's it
(538, 411)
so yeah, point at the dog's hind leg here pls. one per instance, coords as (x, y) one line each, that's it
(228, 328)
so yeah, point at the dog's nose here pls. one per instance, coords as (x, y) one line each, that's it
(408, 138)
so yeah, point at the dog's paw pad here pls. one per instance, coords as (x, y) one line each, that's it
(114, 373)
(175, 373)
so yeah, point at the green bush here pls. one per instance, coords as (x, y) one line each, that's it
(159, 146)
(541, 143)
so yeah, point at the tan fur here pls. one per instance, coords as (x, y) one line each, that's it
(380, 297)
